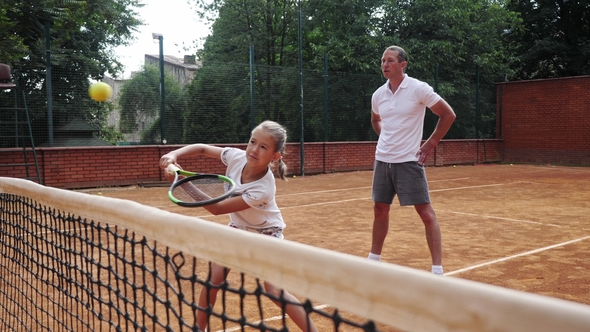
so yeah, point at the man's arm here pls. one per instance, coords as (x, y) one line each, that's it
(376, 122)
(446, 117)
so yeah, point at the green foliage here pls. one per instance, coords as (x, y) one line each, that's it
(458, 37)
(12, 45)
(111, 134)
(269, 26)
(97, 117)
(455, 36)
(81, 44)
(139, 99)
(555, 41)
(139, 103)
(218, 105)
(345, 30)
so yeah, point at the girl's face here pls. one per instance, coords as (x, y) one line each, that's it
(261, 149)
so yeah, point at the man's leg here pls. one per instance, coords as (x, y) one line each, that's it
(380, 226)
(432, 229)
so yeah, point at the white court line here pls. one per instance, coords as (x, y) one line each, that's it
(367, 198)
(517, 255)
(471, 187)
(325, 203)
(473, 267)
(501, 218)
(366, 187)
(364, 198)
(356, 188)
(445, 180)
(237, 328)
(323, 191)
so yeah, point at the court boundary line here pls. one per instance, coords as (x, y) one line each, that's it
(363, 198)
(526, 253)
(237, 328)
(469, 268)
(471, 187)
(356, 188)
(501, 218)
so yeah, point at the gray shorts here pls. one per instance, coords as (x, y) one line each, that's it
(406, 180)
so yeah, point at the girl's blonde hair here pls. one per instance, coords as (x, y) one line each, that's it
(279, 134)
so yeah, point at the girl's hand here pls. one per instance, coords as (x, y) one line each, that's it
(166, 160)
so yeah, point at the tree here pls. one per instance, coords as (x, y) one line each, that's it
(456, 36)
(139, 102)
(217, 109)
(12, 45)
(82, 36)
(269, 26)
(555, 41)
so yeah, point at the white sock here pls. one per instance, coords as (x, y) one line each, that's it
(437, 269)
(374, 257)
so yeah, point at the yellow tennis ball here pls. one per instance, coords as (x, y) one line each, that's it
(294, 176)
(100, 91)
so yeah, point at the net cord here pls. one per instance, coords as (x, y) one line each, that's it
(394, 295)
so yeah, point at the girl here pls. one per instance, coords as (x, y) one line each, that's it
(253, 206)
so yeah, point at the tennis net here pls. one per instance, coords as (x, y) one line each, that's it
(71, 261)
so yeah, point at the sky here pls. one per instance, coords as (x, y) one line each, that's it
(175, 20)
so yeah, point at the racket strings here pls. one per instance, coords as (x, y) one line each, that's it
(199, 190)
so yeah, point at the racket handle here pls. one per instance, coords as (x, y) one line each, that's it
(172, 168)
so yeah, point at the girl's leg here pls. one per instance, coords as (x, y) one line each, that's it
(296, 312)
(218, 275)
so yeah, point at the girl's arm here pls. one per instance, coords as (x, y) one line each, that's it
(233, 204)
(192, 150)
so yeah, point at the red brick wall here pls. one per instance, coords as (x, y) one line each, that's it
(545, 121)
(85, 167)
(541, 121)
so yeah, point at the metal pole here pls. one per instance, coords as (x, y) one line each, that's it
(326, 103)
(436, 78)
(162, 93)
(477, 112)
(252, 111)
(48, 86)
(477, 116)
(301, 140)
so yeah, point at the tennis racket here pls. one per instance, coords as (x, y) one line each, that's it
(194, 189)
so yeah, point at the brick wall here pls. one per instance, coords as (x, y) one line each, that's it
(86, 167)
(540, 121)
(545, 121)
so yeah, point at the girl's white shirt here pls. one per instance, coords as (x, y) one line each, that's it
(259, 195)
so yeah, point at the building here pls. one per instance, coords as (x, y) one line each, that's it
(77, 132)
(183, 70)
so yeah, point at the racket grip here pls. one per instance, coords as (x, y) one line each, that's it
(172, 168)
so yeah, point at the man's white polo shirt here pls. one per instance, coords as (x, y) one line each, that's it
(402, 119)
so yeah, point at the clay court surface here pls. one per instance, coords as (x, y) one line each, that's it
(524, 227)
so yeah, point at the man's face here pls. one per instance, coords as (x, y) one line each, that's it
(390, 66)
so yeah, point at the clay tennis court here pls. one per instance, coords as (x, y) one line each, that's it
(524, 227)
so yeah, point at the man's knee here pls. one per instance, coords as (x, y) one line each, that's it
(426, 213)
(381, 209)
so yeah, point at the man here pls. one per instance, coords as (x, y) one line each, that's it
(398, 110)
